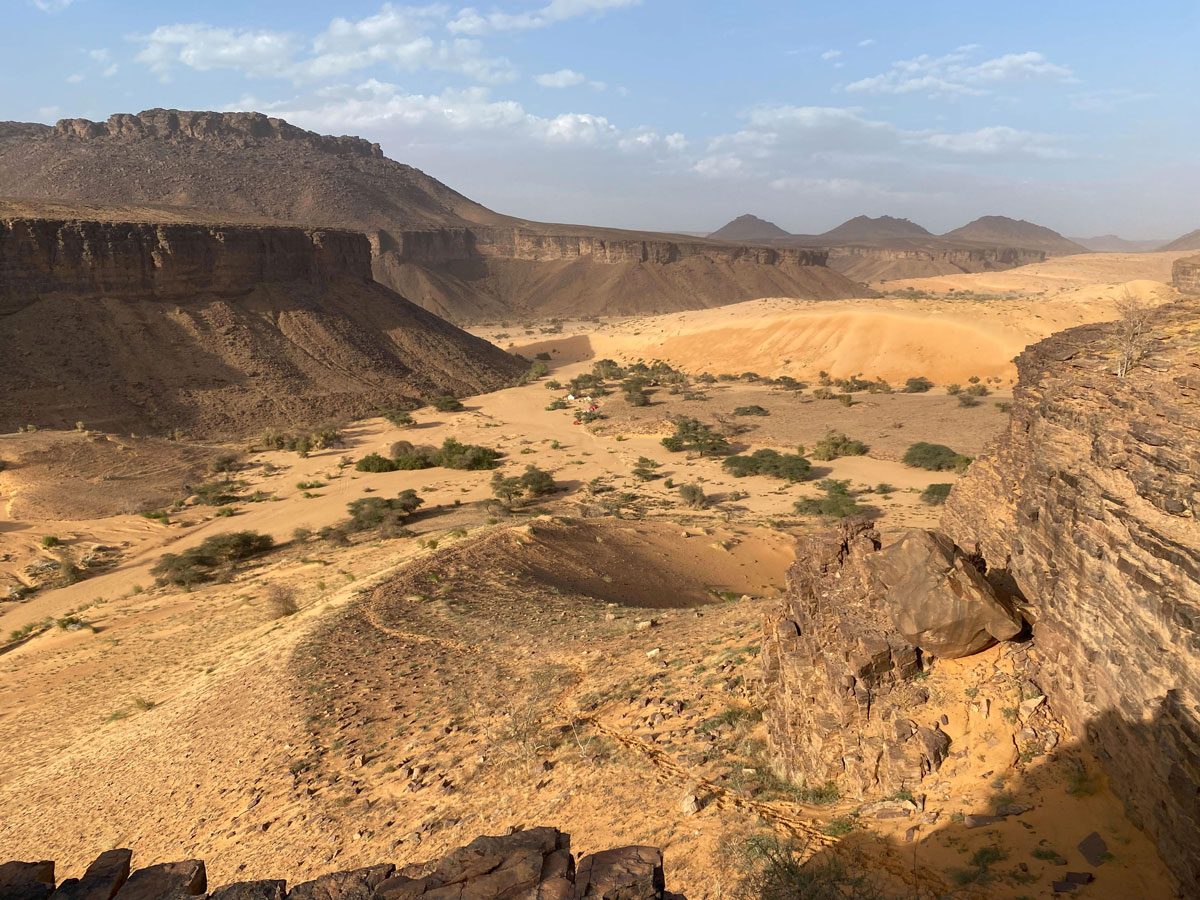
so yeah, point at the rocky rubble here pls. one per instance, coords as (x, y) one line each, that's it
(1087, 508)
(526, 865)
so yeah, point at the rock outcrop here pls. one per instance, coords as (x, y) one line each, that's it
(527, 865)
(838, 675)
(1185, 274)
(938, 600)
(1087, 506)
(217, 330)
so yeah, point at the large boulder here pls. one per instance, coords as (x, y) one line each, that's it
(937, 598)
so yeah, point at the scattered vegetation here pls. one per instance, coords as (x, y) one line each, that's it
(767, 867)
(694, 436)
(644, 470)
(215, 554)
(935, 494)
(693, 496)
(446, 404)
(836, 444)
(935, 458)
(918, 385)
(281, 601)
(752, 410)
(453, 454)
(302, 443)
(516, 490)
(838, 502)
(387, 516)
(399, 417)
(792, 466)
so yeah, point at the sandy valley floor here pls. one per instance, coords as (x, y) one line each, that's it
(493, 670)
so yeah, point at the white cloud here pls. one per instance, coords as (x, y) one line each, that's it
(52, 6)
(831, 54)
(560, 79)
(260, 54)
(1107, 100)
(954, 75)
(50, 113)
(779, 140)
(867, 42)
(470, 21)
(74, 79)
(395, 36)
(461, 116)
(723, 166)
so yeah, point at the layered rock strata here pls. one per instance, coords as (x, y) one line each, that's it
(216, 330)
(1185, 274)
(1088, 506)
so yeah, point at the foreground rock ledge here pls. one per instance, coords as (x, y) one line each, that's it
(528, 865)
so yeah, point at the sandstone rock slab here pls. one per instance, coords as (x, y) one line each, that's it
(623, 873)
(938, 600)
(102, 879)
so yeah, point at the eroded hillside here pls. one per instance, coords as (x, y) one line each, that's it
(214, 330)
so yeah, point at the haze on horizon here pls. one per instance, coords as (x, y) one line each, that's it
(665, 115)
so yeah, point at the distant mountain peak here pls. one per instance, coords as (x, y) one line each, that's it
(866, 228)
(1016, 233)
(749, 228)
(1190, 241)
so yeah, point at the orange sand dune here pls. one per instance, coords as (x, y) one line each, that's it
(942, 339)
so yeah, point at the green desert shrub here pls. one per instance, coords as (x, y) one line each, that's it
(935, 458)
(446, 404)
(935, 494)
(837, 502)
(792, 466)
(694, 436)
(918, 385)
(752, 410)
(693, 495)
(382, 514)
(836, 444)
(398, 417)
(201, 563)
(373, 462)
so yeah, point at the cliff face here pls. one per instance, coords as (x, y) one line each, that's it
(1185, 273)
(883, 263)
(1088, 507)
(216, 330)
(41, 256)
(473, 274)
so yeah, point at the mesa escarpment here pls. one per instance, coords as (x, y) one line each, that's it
(221, 329)
(867, 263)
(494, 273)
(1087, 506)
(442, 250)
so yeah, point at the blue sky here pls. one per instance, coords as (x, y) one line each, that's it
(678, 115)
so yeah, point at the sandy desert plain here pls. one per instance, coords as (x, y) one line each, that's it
(587, 659)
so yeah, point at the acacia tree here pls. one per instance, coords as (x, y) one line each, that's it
(1133, 331)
